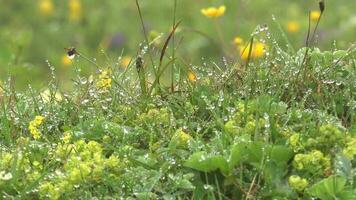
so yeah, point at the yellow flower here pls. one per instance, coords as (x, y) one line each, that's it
(293, 26)
(181, 138)
(315, 15)
(33, 127)
(46, 96)
(75, 10)
(66, 60)
(257, 50)
(213, 12)
(238, 41)
(192, 77)
(298, 183)
(104, 81)
(46, 7)
(350, 149)
(125, 61)
(67, 137)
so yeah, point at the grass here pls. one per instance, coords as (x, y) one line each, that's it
(277, 126)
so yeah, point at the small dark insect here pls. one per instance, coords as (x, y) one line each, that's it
(71, 52)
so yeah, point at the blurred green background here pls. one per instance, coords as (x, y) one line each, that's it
(34, 33)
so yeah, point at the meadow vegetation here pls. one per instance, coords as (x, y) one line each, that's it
(268, 114)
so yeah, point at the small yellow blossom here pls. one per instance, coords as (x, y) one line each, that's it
(34, 125)
(105, 80)
(46, 96)
(238, 41)
(315, 15)
(213, 12)
(46, 7)
(293, 26)
(350, 150)
(66, 137)
(298, 183)
(192, 77)
(181, 138)
(257, 50)
(75, 10)
(125, 61)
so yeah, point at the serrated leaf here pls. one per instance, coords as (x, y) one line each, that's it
(329, 188)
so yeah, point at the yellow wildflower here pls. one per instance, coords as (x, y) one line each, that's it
(104, 81)
(315, 15)
(350, 149)
(213, 12)
(257, 50)
(46, 7)
(34, 125)
(298, 183)
(293, 26)
(75, 10)
(125, 61)
(46, 96)
(181, 138)
(238, 41)
(192, 77)
(67, 137)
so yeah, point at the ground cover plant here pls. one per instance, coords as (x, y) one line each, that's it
(272, 122)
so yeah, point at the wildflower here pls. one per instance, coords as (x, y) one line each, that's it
(312, 161)
(298, 183)
(293, 26)
(315, 15)
(350, 150)
(75, 10)
(104, 81)
(238, 41)
(34, 125)
(294, 141)
(181, 138)
(47, 189)
(192, 77)
(46, 7)
(66, 137)
(112, 162)
(125, 61)
(257, 50)
(213, 12)
(5, 176)
(66, 60)
(46, 96)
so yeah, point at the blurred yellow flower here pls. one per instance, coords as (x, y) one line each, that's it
(105, 80)
(256, 52)
(46, 96)
(314, 15)
(293, 26)
(298, 183)
(46, 7)
(66, 60)
(192, 77)
(34, 125)
(75, 10)
(213, 12)
(125, 61)
(238, 40)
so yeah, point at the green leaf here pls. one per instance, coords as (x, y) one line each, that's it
(281, 154)
(251, 153)
(329, 188)
(201, 161)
